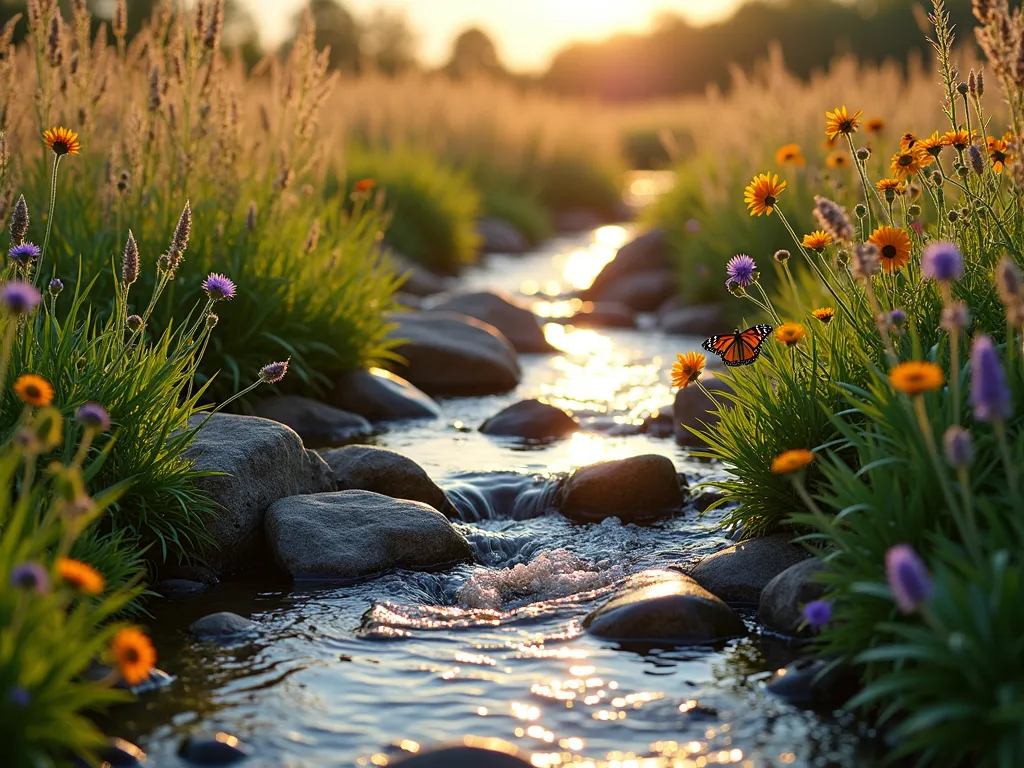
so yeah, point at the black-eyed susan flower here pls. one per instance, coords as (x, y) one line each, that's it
(824, 315)
(762, 194)
(838, 159)
(790, 154)
(932, 144)
(959, 139)
(788, 462)
(875, 125)
(998, 153)
(34, 390)
(910, 162)
(133, 654)
(62, 141)
(916, 377)
(818, 240)
(893, 246)
(81, 576)
(789, 334)
(687, 369)
(840, 121)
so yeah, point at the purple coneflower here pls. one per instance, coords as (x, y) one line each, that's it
(990, 396)
(19, 298)
(741, 270)
(908, 578)
(94, 416)
(817, 613)
(24, 254)
(31, 577)
(274, 372)
(959, 447)
(942, 262)
(218, 287)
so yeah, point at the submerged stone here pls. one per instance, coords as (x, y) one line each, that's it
(531, 420)
(640, 488)
(815, 684)
(179, 588)
(476, 753)
(739, 573)
(119, 753)
(221, 626)
(219, 749)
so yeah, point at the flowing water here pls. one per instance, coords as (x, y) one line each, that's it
(358, 675)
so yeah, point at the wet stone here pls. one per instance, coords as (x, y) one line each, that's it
(221, 626)
(515, 321)
(815, 684)
(179, 588)
(739, 573)
(315, 422)
(531, 420)
(219, 749)
(784, 597)
(498, 754)
(120, 753)
(380, 395)
(640, 488)
(158, 680)
(366, 468)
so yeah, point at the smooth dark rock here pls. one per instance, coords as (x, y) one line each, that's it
(419, 281)
(642, 291)
(189, 572)
(531, 420)
(815, 684)
(315, 422)
(576, 220)
(262, 461)
(784, 597)
(178, 588)
(348, 535)
(695, 409)
(219, 749)
(516, 321)
(407, 300)
(485, 753)
(498, 236)
(449, 354)
(699, 320)
(122, 754)
(664, 606)
(739, 573)
(221, 625)
(365, 468)
(661, 423)
(380, 395)
(648, 253)
(604, 314)
(640, 488)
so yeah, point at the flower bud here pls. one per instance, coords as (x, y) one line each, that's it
(133, 323)
(914, 211)
(782, 256)
(56, 286)
(962, 89)
(860, 211)
(953, 216)
(863, 154)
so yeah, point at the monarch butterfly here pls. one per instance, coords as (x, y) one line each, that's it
(739, 348)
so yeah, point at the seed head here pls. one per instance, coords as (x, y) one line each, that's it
(211, 37)
(914, 211)
(977, 159)
(981, 83)
(272, 373)
(972, 83)
(962, 88)
(863, 154)
(312, 237)
(782, 256)
(250, 216)
(19, 221)
(130, 262)
(119, 23)
(212, 320)
(833, 219)
(133, 323)
(54, 49)
(865, 263)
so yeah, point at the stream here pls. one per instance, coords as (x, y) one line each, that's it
(357, 675)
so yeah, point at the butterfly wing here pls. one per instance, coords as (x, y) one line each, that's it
(737, 349)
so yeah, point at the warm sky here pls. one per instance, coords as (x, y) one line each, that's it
(528, 32)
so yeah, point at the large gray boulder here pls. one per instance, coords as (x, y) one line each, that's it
(498, 236)
(664, 606)
(366, 468)
(450, 354)
(649, 252)
(636, 489)
(531, 420)
(739, 573)
(784, 597)
(516, 322)
(642, 291)
(315, 422)
(349, 535)
(259, 461)
(693, 408)
(380, 395)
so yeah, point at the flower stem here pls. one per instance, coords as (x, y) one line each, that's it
(49, 218)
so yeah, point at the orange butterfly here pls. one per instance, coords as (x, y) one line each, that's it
(739, 348)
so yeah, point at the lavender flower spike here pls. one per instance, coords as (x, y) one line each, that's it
(274, 372)
(990, 395)
(942, 262)
(218, 287)
(817, 613)
(32, 577)
(908, 578)
(19, 298)
(741, 270)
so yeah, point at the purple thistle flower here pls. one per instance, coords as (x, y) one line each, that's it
(274, 372)
(817, 613)
(24, 254)
(94, 416)
(32, 577)
(943, 262)
(990, 396)
(908, 578)
(218, 287)
(959, 447)
(19, 298)
(19, 697)
(56, 286)
(741, 270)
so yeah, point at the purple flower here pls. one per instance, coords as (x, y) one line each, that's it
(24, 254)
(942, 262)
(19, 298)
(32, 577)
(989, 394)
(56, 286)
(274, 372)
(218, 287)
(692, 226)
(959, 447)
(908, 578)
(898, 320)
(817, 613)
(94, 416)
(741, 270)
(19, 697)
